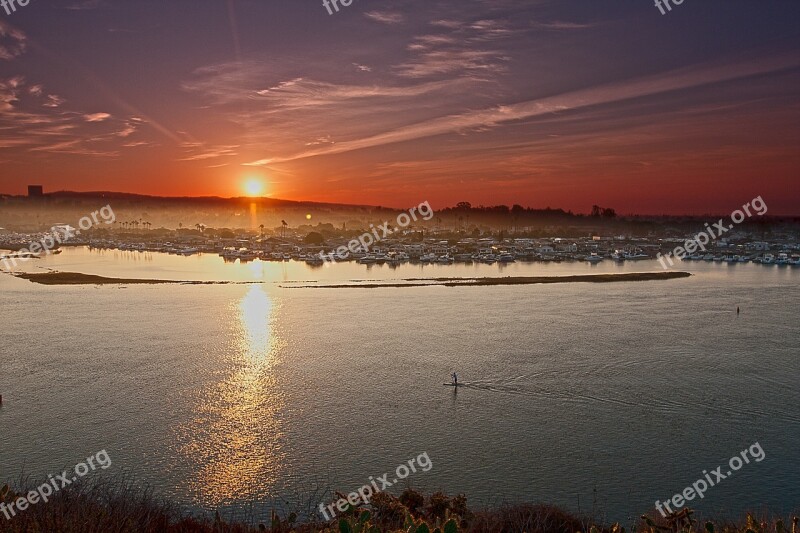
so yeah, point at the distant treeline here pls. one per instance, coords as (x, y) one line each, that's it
(462, 208)
(19, 213)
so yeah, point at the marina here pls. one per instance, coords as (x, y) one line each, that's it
(246, 248)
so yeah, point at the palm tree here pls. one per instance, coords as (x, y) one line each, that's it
(283, 229)
(261, 227)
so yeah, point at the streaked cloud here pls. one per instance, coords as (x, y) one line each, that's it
(461, 49)
(698, 75)
(199, 151)
(33, 119)
(53, 100)
(563, 25)
(13, 42)
(97, 117)
(386, 17)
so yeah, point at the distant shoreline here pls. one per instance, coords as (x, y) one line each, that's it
(74, 278)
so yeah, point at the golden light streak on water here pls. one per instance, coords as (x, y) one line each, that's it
(235, 439)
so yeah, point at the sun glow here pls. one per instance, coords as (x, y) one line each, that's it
(253, 187)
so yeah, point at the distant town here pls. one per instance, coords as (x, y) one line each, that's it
(263, 229)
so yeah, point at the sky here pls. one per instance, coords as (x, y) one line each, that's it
(543, 103)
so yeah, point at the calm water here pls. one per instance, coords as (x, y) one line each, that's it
(606, 396)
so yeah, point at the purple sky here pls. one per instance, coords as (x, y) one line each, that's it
(563, 103)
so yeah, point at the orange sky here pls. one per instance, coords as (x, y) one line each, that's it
(542, 105)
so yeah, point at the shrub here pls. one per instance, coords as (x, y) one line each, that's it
(412, 500)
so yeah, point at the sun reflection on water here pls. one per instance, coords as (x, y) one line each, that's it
(235, 439)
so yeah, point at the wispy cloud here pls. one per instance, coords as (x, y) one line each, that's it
(447, 23)
(698, 75)
(259, 163)
(97, 117)
(128, 129)
(33, 119)
(53, 100)
(200, 151)
(321, 140)
(386, 17)
(563, 25)
(13, 42)
(298, 113)
(458, 48)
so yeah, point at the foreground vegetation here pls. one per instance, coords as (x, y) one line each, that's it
(120, 507)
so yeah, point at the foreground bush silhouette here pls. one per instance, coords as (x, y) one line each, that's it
(120, 507)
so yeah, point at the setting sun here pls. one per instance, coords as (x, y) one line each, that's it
(254, 187)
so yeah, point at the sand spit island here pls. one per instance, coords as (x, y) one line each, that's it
(519, 280)
(74, 278)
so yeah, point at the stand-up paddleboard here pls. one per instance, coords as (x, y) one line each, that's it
(452, 384)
